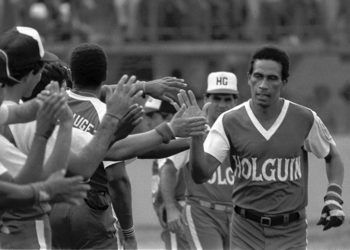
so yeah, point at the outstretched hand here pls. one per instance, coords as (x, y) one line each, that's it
(129, 121)
(165, 89)
(123, 95)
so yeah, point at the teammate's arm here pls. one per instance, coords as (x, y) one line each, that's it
(202, 164)
(58, 160)
(120, 190)
(168, 180)
(137, 144)
(159, 151)
(22, 113)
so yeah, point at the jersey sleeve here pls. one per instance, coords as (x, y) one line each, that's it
(179, 160)
(319, 139)
(216, 143)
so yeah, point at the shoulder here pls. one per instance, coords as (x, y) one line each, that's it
(235, 113)
(301, 111)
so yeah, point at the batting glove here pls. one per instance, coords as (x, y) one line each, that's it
(332, 214)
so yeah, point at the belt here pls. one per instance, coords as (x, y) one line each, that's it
(212, 205)
(267, 220)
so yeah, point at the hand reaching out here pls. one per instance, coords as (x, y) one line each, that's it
(129, 121)
(122, 97)
(165, 89)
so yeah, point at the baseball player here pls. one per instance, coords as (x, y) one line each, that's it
(156, 112)
(54, 188)
(268, 139)
(208, 207)
(89, 67)
(29, 227)
(109, 182)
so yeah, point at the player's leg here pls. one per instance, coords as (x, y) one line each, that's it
(292, 236)
(60, 226)
(246, 234)
(202, 229)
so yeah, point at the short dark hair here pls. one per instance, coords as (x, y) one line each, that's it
(88, 64)
(20, 72)
(272, 53)
(54, 71)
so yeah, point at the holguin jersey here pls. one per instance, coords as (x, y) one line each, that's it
(270, 166)
(88, 112)
(218, 189)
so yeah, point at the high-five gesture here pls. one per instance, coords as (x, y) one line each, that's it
(119, 101)
(189, 100)
(165, 89)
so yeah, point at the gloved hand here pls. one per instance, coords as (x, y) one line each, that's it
(332, 214)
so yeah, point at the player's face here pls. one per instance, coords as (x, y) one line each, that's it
(219, 104)
(265, 82)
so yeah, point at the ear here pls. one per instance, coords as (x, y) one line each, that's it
(284, 82)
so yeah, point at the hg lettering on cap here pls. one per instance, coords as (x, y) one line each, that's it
(222, 83)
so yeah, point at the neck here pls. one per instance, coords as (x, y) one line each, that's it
(96, 92)
(267, 112)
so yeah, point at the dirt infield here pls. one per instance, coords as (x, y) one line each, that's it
(148, 230)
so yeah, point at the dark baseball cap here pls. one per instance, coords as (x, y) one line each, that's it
(23, 46)
(5, 76)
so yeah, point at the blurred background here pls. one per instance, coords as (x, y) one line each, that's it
(191, 38)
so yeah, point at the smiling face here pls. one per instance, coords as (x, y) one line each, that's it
(265, 82)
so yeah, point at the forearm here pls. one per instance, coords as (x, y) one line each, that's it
(335, 170)
(33, 167)
(22, 113)
(86, 161)
(133, 145)
(12, 195)
(197, 159)
(165, 150)
(168, 182)
(58, 159)
(120, 190)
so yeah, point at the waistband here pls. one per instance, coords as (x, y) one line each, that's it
(268, 220)
(212, 205)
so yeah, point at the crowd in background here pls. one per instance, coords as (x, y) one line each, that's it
(291, 21)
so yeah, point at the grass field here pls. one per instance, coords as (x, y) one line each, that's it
(148, 230)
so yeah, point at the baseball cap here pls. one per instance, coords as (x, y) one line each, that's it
(222, 83)
(156, 105)
(23, 46)
(5, 76)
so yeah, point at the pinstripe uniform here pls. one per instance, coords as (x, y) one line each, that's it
(208, 207)
(93, 223)
(271, 172)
